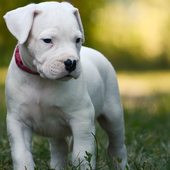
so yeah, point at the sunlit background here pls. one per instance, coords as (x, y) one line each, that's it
(135, 37)
(133, 34)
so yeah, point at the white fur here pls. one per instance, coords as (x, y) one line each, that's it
(54, 104)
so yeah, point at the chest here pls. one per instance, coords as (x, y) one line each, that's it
(47, 121)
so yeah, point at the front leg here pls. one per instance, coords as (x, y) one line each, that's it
(20, 141)
(83, 141)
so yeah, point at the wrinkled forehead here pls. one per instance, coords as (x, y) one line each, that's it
(54, 16)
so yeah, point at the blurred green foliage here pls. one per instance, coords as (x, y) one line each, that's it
(132, 34)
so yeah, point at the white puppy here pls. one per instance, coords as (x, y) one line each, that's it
(55, 88)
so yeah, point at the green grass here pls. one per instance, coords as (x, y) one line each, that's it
(147, 132)
(147, 123)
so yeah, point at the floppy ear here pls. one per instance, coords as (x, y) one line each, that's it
(19, 21)
(77, 15)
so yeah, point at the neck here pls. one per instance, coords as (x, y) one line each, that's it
(27, 59)
(24, 63)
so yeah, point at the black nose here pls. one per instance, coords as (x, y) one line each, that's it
(70, 65)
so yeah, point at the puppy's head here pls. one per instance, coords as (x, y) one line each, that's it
(52, 34)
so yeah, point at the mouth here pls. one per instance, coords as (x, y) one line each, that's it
(65, 78)
(69, 76)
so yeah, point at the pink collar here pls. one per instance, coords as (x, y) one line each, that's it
(20, 63)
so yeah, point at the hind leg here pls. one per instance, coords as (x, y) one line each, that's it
(116, 147)
(59, 152)
(112, 122)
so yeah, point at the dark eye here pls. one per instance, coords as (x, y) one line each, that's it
(78, 40)
(47, 40)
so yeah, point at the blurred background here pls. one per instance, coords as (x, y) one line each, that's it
(132, 34)
(135, 37)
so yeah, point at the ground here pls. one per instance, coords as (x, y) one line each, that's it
(145, 97)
